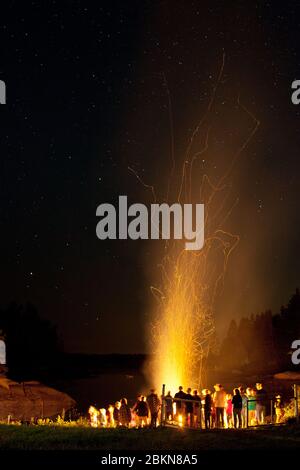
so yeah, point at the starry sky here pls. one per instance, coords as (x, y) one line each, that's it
(87, 98)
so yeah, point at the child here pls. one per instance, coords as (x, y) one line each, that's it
(229, 410)
(208, 409)
(125, 414)
(116, 413)
(251, 405)
(94, 415)
(278, 409)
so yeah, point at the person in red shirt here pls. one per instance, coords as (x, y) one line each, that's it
(229, 410)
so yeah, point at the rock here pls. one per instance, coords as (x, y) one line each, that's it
(26, 400)
(288, 375)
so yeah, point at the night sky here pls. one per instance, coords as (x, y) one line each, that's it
(87, 98)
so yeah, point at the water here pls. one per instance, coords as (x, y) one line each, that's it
(103, 389)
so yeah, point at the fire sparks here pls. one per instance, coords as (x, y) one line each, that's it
(183, 329)
(179, 346)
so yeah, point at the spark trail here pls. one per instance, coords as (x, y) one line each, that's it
(183, 330)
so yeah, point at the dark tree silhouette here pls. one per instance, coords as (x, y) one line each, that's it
(286, 327)
(31, 342)
(263, 341)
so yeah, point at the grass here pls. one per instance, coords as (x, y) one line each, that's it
(47, 438)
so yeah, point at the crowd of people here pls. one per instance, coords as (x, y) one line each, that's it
(144, 413)
(218, 409)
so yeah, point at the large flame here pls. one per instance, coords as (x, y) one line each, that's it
(183, 328)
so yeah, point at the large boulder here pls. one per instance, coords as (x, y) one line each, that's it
(292, 375)
(27, 400)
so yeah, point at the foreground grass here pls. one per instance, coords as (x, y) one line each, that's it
(61, 438)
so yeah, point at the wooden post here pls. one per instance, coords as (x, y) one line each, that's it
(271, 411)
(200, 405)
(296, 402)
(163, 406)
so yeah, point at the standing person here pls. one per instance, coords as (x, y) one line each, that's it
(103, 418)
(219, 399)
(94, 416)
(178, 398)
(189, 407)
(279, 411)
(207, 409)
(237, 404)
(125, 413)
(251, 405)
(154, 405)
(261, 396)
(142, 412)
(244, 407)
(133, 410)
(213, 414)
(169, 406)
(196, 409)
(229, 410)
(116, 413)
(110, 416)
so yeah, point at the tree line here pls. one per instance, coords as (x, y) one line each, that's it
(263, 341)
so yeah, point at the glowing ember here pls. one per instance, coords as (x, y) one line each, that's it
(184, 328)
